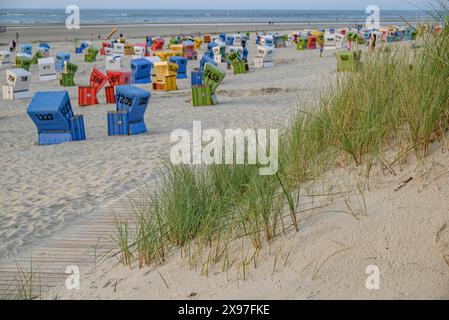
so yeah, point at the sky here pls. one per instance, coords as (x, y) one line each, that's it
(209, 4)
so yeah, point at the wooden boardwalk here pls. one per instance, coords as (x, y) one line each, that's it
(80, 243)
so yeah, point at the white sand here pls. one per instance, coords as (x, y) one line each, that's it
(404, 233)
(46, 187)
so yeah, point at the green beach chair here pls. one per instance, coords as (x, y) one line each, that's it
(213, 76)
(301, 45)
(91, 55)
(36, 57)
(348, 61)
(70, 67)
(202, 95)
(67, 80)
(23, 62)
(68, 75)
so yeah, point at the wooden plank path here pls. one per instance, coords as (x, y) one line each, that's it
(81, 243)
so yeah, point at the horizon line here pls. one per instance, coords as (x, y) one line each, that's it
(220, 9)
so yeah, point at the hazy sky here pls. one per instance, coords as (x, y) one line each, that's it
(221, 4)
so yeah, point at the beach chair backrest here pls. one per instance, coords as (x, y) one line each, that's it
(213, 76)
(140, 69)
(97, 80)
(19, 79)
(51, 111)
(46, 66)
(119, 49)
(132, 99)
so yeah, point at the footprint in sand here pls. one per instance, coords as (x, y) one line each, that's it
(442, 241)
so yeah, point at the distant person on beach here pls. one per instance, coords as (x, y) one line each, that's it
(91, 37)
(14, 45)
(373, 40)
(321, 44)
(11, 47)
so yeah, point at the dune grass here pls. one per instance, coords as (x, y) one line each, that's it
(398, 100)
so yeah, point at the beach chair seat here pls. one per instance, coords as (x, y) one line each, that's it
(167, 84)
(53, 116)
(87, 96)
(67, 80)
(239, 67)
(109, 93)
(131, 104)
(202, 95)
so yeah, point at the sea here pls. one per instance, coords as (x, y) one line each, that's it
(147, 16)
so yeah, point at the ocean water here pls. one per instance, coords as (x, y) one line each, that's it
(127, 16)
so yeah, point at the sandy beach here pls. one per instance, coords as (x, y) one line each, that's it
(45, 189)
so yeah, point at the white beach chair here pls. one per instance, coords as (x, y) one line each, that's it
(47, 70)
(17, 84)
(113, 63)
(119, 49)
(5, 58)
(264, 57)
